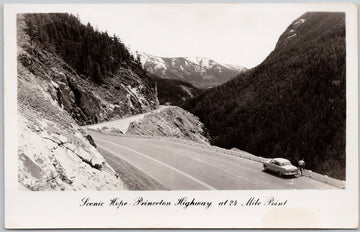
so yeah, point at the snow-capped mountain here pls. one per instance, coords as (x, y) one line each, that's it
(199, 71)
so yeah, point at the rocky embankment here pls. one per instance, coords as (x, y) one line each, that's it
(88, 103)
(54, 153)
(52, 157)
(126, 90)
(170, 122)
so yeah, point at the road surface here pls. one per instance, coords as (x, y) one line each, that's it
(123, 123)
(177, 166)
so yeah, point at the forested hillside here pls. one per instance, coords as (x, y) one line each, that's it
(292, 105)
(85, 49)
(91, 74)
(175, 92)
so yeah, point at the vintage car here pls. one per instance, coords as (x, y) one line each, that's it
(281, 166)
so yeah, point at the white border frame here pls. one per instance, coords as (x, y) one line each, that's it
(306, 208)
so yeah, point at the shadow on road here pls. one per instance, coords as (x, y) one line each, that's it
(282, 176)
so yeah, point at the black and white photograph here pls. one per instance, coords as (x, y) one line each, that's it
(160, 98)
(94, 113)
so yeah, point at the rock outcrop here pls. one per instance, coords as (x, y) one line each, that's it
(117, 86)
(54, 153)
(55, 158)
(170, 122)
(123, 94)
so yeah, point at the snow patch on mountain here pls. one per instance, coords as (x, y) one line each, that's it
(234, 66)
(299, 21)
(158, 61)
(293, 35)
(201, 72)
(201, 61)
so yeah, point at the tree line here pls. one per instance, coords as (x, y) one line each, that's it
(87, 50)
(293, 105)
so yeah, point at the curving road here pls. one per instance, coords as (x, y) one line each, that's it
(123, 123)
(177, 166)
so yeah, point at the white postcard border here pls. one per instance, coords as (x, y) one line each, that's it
(304, 209)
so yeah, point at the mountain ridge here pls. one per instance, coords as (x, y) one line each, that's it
(201, 72)
(293, 104)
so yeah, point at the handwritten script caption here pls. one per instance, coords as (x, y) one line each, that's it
(183, 202)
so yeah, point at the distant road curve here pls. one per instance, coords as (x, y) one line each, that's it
(178, 166)
(123, 123)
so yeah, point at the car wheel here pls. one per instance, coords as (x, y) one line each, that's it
(280, 173)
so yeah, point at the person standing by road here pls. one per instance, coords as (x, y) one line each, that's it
(301, 164)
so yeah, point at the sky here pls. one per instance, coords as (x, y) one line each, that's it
(227, 33)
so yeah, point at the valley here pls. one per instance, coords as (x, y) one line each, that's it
(293, 104)
(92, 116)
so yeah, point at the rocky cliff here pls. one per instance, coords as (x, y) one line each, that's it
(54, 153)
(170, 122)
(126, 90)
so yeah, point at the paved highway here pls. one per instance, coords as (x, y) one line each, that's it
(123, 123)
(177, 166)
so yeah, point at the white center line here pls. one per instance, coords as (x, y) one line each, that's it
(164, 164)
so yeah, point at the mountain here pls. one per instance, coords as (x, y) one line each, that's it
(293, 104)
(175, 92)
(69, 75)
(198, 71)
(98, 80)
